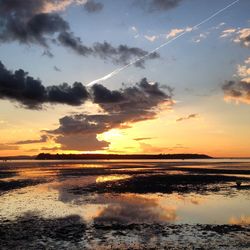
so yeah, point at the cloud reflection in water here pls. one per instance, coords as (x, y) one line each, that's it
(130, 208)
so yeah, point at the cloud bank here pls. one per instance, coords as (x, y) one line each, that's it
(38, 22)
(121, 108)
(32, 94)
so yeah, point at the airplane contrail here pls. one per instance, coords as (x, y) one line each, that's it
(195, 27)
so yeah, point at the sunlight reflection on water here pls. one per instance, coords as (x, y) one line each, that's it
(111, 178)
(50, 201)
(55, 197)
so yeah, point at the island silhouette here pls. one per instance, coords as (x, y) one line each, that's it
(46, 156)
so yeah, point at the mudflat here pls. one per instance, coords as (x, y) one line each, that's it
(133, 204)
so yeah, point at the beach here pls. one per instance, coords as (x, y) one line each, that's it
(133, 204)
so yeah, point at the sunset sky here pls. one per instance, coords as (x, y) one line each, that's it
(192, 95)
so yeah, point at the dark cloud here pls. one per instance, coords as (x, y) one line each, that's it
(45, 23)
(44, 138)
(81, 142)
(74, 95)
(153, 89)
(20, 87)
(191, 116)
(31, 93)
(157, 5)
(137, 102)
(168, 88)
(26, 22)
(163, 5)
(122, 108)
(83, 124)
(68, 39)
(134, 102)
(122, 54)
(103, 95)
(92, 6)
(238, 91)
(32, 30)
(22, 9)
(29, 21)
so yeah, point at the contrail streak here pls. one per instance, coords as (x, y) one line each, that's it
(195, 27)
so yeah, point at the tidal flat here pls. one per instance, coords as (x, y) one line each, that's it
(133, 204)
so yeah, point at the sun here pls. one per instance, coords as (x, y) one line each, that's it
(110, 135)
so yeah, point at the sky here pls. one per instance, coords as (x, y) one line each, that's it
(135, 76)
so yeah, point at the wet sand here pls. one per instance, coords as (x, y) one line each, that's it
(124, 205)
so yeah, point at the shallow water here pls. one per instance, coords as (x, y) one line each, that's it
(108, 193)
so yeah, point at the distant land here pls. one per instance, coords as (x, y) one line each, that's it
(44, 156)
(18, 157)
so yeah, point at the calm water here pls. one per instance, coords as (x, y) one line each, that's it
(54, 189)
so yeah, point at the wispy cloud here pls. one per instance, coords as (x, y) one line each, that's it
(143, 138)
(238, 35)
(134, 29)
(56, 69)
(44, 138)
(227, 33)
(8, 147)
(188, 29)
(243, 37)
(201, 36)
(191, 116)
(174, 32)
(151, 38)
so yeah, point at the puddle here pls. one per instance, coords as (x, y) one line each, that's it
(55, 200)
(111, 178)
